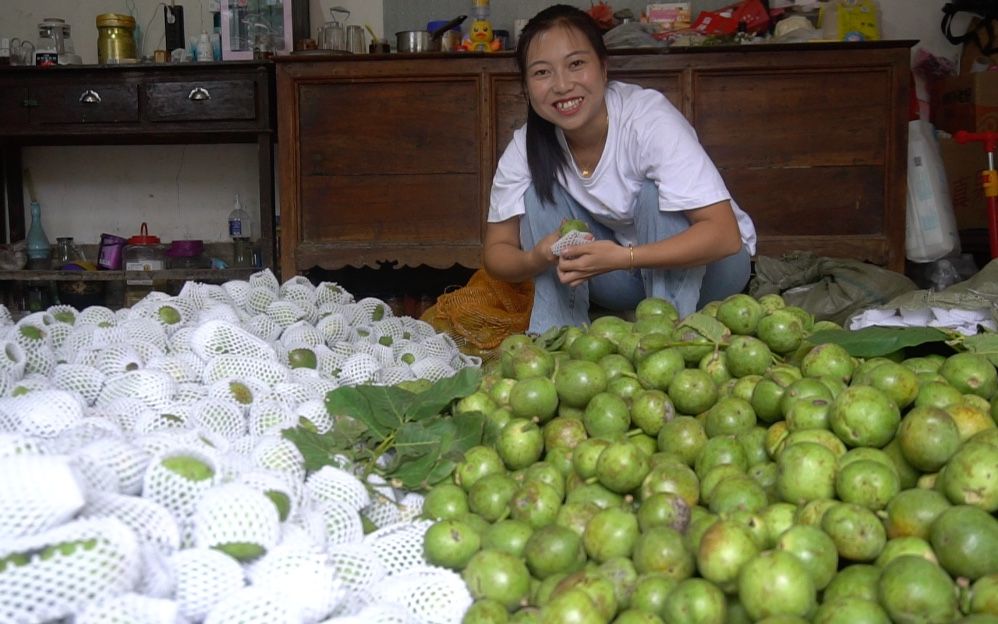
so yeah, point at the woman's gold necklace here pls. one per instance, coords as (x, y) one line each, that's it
(587, 171)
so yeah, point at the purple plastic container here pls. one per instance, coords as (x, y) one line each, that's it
(109, 253)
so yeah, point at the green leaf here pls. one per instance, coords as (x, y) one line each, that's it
(707, 326)
(878, 341)
(381, 408)
(438, 397)
(441, 471)
(317, 449)
(415, 439)
(985, 344)
(469, 428)
(414, 474)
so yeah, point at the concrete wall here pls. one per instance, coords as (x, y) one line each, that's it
(187, 191)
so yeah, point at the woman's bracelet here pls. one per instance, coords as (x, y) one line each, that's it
(630, 248)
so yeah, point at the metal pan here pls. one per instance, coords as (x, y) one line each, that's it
(415, 41)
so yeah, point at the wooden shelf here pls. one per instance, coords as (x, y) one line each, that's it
(196, 275)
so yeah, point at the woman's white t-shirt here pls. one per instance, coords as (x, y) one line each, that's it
(648, 139)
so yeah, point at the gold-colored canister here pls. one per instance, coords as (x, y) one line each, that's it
(115, 38)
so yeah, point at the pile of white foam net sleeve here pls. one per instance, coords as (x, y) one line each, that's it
(142, 468)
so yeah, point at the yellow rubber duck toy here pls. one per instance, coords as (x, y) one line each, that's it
(481, 38)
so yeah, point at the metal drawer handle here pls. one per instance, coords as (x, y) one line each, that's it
(199, 94)
(90, 97)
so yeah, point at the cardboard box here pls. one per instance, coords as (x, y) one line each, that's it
(963, 165)
(967, 102)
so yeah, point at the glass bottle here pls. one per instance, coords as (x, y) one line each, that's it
(66, 252)
(242, 252)
(39, 250)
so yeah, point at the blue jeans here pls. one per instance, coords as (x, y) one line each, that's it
(689, 289)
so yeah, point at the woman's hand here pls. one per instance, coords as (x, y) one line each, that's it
(541, 253)
(581, 262)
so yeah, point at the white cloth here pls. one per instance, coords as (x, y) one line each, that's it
(648, 139)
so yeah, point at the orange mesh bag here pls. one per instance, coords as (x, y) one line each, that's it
(480, 314)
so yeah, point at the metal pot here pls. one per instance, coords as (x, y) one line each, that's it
(415, 41)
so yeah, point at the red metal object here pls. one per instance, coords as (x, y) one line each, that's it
(989, 180)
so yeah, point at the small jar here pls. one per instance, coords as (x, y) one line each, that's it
(143, 253)
(115, 38)
(242, 251)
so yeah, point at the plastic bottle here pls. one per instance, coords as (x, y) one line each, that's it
(39, 249)
(204, 51)
(239, 221)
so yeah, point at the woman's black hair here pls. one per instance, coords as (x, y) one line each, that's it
(544, 154)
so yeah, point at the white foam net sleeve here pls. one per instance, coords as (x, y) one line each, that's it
(37, 493)
(219, 312)
(285, 313)
(331, 292)
(12, 358)
(57, 573)
(376, 614)
(342, 525)
(276, 453)
(234, 513)
(95, 477)
(297, 287)
(130, 609)
(152, 523)
(570, 240)
(45, 413)
(267, 371)
(393, 375)
(432, 368)
(314, 410)
(411, 506)
(359, 368)
(268, 417)
(333, 328)
(204, 577)
(113, 359)
(304, 579)
(358, 567)
(89, 429)
(214, 338)
(264, 327)
(333, 484)
(96, 315)
(265, 279)
(145, 331)
(17, 444)
(125, 459)
(274, 484)
(84, 381)
(302, 334)
(174, 491)
(431, 595)
(254, 605)
(175, 366)
(155, 388)
(400, 546)
(259, 299)
(224, 418)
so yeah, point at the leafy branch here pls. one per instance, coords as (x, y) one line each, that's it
(412, 429)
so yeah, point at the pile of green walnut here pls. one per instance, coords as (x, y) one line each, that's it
(744, 464)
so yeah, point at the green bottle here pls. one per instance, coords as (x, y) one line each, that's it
(39, 249)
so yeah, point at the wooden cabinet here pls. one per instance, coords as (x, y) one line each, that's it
(135, 104)
(391, 158)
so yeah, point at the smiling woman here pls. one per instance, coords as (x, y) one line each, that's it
(621, 159)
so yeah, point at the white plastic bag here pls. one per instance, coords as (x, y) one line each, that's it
(931, 231)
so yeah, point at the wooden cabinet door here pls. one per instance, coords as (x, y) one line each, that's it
(386, 163)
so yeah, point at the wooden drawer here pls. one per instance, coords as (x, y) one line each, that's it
(200, 100)
(13, 112)
(85, 102)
